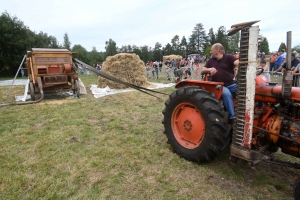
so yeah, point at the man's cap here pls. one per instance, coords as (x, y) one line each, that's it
(293, 55)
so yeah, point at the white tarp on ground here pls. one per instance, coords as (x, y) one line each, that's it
(17, 82)
(101, 92)
(25, 96)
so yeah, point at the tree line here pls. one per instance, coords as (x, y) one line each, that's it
(16, 39)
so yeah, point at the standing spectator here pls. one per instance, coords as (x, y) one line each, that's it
(81, 69)
(278, 62)
(296, 54)
(182, 63)
(283, 55)
(151, 64)
(273, 59)
(258, 54)
(98, 67)
(87, 72)
(197, 66)
(174, 63)
(168, 69)
(192, 61)
(294, 63)
(155, 69)
(266, 72)
(263, 57)
(160, 64)
(296, 73)
(148, 69)
(22, 73)
(237, 55)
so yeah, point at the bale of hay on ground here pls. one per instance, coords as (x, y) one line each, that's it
(125, 67)
(171, 57)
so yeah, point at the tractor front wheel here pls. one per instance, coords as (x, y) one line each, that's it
(196, 124)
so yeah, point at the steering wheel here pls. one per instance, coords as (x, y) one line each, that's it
(259, 71)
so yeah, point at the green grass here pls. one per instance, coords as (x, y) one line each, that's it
(114, 148)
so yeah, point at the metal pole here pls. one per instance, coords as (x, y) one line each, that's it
(287, 78)
(16, 76)
(289, 49)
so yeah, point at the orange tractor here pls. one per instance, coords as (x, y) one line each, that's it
(196, 122)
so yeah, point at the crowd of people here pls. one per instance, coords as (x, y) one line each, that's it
(185, 65)
(277, 63)
(82, 71)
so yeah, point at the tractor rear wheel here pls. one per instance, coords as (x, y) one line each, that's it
(31, 89)
(196, 124)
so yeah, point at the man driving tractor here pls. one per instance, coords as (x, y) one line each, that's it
(221, 67)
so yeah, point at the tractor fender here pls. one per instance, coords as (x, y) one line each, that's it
(212, 87)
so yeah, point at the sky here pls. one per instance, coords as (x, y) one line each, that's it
(144, 22)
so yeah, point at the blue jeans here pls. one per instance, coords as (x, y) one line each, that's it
(272, 66)
(277, 66)
(227, 95)
(155, 70)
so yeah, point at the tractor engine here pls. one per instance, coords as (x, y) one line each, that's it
(276, 120)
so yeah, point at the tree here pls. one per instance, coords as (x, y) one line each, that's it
(282, 46)
(95, 57)
(183, 46)
(110, 48)
(145, 53)
(67, 43)
(175, 44)
(264, 46)
(207, 51)
(211, 37)
(168, 49)
(199, 38)
(233, 43)
(81, 53)
(15, 40)
(296, 48)
(191, 47)
(157, 53)
(137, 51)
(53, 43)
(221, 37)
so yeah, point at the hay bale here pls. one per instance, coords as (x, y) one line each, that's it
(171, 57)
(125, 67)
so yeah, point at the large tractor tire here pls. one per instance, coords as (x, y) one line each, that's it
(196, 124)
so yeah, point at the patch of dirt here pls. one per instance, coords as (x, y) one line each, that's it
(227, 184)
(74, 139)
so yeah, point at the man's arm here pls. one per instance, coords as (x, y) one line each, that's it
(236, 64)
(212, 71)
(296, 71)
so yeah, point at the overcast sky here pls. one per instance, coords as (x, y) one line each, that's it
(145, 22)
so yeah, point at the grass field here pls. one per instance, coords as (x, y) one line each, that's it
(114, 148)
